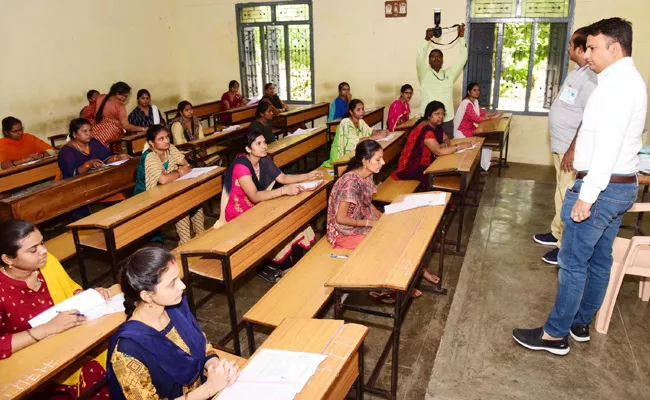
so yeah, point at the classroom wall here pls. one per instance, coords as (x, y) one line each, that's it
(187, 49)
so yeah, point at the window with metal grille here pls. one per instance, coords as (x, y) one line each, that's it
(518, 52)
(276, 45)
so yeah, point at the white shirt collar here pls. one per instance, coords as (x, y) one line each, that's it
(617, 66)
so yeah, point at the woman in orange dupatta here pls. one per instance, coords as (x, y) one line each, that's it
(18, 147)
(31, 281)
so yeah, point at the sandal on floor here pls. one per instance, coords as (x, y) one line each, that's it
(384, 297)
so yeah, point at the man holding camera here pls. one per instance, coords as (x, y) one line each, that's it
(437, 83)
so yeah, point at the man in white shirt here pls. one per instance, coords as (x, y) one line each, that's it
(605, 188)
(564, 120)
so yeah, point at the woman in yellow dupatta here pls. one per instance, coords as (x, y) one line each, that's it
(31, 281)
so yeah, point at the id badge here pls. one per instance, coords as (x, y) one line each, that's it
(568, 95)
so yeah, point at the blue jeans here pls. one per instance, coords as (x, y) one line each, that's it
(585, 257)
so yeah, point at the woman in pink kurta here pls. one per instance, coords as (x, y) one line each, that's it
(400, 110)
(470, 113)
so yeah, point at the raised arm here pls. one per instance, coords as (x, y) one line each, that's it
(456, 69)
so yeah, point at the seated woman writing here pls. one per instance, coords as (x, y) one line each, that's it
(400, 110)
(32, 280)
(273, 99)
(351, 131)
(339, 106)
(248, 181)
(264, 121)
(470, 113)
(145, 114)
(163, 163)
(18, 147)
(232, 98)
(161, 351)
(425, 143)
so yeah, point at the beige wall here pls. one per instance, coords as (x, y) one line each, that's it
(188, 49)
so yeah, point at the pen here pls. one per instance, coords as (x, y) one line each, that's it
(334, 255)
(78, 314)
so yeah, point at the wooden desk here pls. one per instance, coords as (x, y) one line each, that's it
(133, 218)
(371, 116)
(61, 137)
(201, 111)
(34, 365)
(226, 253)
(392, 149)
(453, 173)
(289, 149)
(343, 345)
(501, 129)
(24, 175)
(302, 115)
(644, 180)
(135, 143)
(406, 239)
(234, 116)
(408, 125)
(55, 198)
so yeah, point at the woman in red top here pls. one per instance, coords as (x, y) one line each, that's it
(470, 113)
(232, 98)
(18, 147)
(31, 281)
(425, 143)
(111, 119)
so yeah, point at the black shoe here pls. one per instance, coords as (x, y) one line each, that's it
(532, 339)
(269, 274)
(547, 239)
(580, 333)
(551, 256)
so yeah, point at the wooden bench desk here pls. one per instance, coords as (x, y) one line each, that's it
(24, 175)
(234, 116)
(202, 111)
(392, 149)
(61, 137)
(453, 173)
(371, 116)
(497, 134)
(135, 217)
(408, 125)
(302, 115)
(33, 366)
(289, 149)
(343, 345)
(390, 258)
(301, 293)
(134, 143)
(56, 198)
(226, 253)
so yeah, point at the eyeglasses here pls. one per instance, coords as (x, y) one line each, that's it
(408, 92)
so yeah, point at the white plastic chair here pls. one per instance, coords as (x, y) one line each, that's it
(631, 257)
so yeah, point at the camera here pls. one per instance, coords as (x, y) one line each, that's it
(437, 30)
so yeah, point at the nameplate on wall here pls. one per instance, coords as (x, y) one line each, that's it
(395, 9)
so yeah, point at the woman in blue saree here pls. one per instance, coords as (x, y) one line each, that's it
(161, 351)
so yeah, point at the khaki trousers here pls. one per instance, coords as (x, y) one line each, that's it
(563, 180)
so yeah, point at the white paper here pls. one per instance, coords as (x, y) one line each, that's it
(415, 201)
(468, 148)
(89, 303)
(300, 131)
(288, 368)
(230, 128)
(115, 163)
(196, 172)
(310, 185)
(387, 138)
(267, 391)
(35, 161)
(253, 100)
(486, 158)
(506, 115)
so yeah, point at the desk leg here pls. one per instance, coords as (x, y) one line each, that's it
(251, 338)
(441, 261)
(360, 378)
(639, 221)
(227, 280)
(80, 259)
(337, 303)
(396, 331)
(188, 283)
(500, 153)
(461, 213)
(109, 237)
(507, 135)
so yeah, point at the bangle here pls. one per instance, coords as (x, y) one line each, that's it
(29, 332)
(87, 166)
(367, 222)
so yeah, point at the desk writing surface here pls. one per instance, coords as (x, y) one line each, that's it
(461, 162)
(492, 126)
(408, 124)
(34, 365)
(290, 141)
(644, 179)
(233, 234)
(124, 210)
(389, 255)
(384, 145)
(23, 175)
(210, 134)
(339, 341)
(302, 109)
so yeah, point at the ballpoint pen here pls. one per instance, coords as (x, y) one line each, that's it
(334, 255)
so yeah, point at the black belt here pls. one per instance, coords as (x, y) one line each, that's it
(612, 178)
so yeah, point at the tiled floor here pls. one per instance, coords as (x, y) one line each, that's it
(523, 209)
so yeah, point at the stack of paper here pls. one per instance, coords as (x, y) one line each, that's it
(196, 172)
(230, 128)
(299, 132)
(310, 185)
(253, 100)
(116, 163)
(89, 303)
(387, 138)
(416, 200)
(468, 148)
(274, 374)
